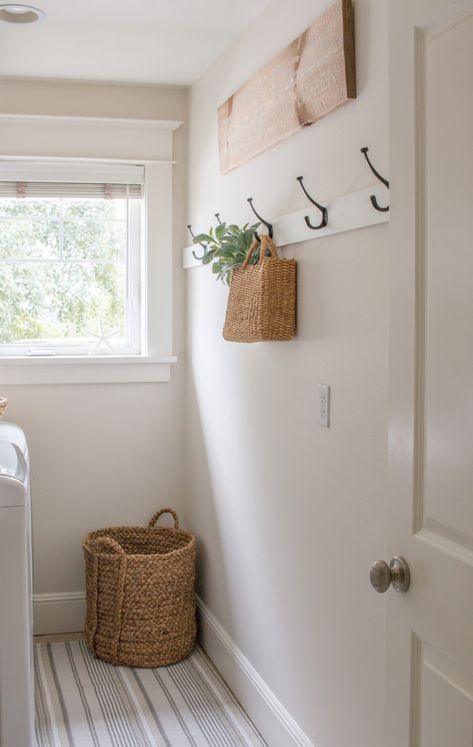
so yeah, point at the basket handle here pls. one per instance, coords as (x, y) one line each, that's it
(111, 544)
(156, 516)
(108, 543)
(265, 242)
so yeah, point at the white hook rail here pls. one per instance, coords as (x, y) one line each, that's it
(345, 213)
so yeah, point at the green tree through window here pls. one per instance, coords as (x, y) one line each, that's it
(63, 268)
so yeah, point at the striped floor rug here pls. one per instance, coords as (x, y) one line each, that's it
(82, 701)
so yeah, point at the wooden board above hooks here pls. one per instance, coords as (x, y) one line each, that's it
(306, 81)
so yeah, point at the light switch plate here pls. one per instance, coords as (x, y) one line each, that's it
(324, 405)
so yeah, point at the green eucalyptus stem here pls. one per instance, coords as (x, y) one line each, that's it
(226, 246)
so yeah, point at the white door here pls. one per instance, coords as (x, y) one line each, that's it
(430, 628)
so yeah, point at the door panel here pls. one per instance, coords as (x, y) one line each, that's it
(446, 703)
(430, 630)
(448, 61)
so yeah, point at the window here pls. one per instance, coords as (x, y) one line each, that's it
(70, 259)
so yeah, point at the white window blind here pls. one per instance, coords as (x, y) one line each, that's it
(77, 190)
(20, 179)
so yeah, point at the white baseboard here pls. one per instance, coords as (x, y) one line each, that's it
(59, 613)
(268, 714)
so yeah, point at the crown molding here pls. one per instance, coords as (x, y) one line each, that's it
(140, 124)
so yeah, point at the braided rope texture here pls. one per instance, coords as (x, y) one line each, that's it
(262, 301)
(140, 594)
(3, 405)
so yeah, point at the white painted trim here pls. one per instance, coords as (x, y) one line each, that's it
(78, 159)
(267, 712)
(59, 613)
(86, 137)
(32, 170)
(156, 298)
(143, 124)
(158, 241)
(345, 213)
(86, 369)
(87, 360)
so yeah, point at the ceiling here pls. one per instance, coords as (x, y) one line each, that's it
(142, 41)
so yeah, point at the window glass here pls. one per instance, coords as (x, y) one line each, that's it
(65, 269)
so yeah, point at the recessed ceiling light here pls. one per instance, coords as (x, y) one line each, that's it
(15, 13)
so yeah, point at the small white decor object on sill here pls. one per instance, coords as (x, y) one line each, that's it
(102, 340)
(40, 352)
(3, 406)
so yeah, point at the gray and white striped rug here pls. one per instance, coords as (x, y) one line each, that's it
(84, 702)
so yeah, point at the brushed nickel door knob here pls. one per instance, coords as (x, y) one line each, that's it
(396, 573)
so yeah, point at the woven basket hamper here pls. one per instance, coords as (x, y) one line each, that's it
(262, 301)
(140, 594)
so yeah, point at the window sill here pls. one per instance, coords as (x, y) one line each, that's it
(102, 369)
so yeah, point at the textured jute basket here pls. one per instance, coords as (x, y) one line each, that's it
(3, 406)
(140, 594)
(262, 301)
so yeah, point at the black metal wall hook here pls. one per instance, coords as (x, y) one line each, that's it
(268, 225)
(322, 209)
(373, 199)
(189, 228)
(217, 215)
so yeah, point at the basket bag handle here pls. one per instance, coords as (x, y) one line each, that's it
(156, 516)
(265, 242)
(94, 546)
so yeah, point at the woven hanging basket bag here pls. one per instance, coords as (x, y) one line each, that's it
(140, 594)
(262, 301)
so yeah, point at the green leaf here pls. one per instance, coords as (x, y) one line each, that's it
(207, 258)
(248, 236)
(202, 238)
(242, 243)
(220, 231)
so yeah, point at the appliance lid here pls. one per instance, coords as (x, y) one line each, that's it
(13, 433)
(13, 466)
(13, 476)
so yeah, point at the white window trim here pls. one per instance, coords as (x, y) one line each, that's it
(154, 364)
(86, 369)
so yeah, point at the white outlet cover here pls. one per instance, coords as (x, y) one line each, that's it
(324, 405)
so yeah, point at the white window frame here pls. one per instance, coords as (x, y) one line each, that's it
(113, 141)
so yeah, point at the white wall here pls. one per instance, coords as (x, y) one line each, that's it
(289, 515)
(110, 453)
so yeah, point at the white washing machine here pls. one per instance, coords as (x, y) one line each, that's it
(16, 607)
